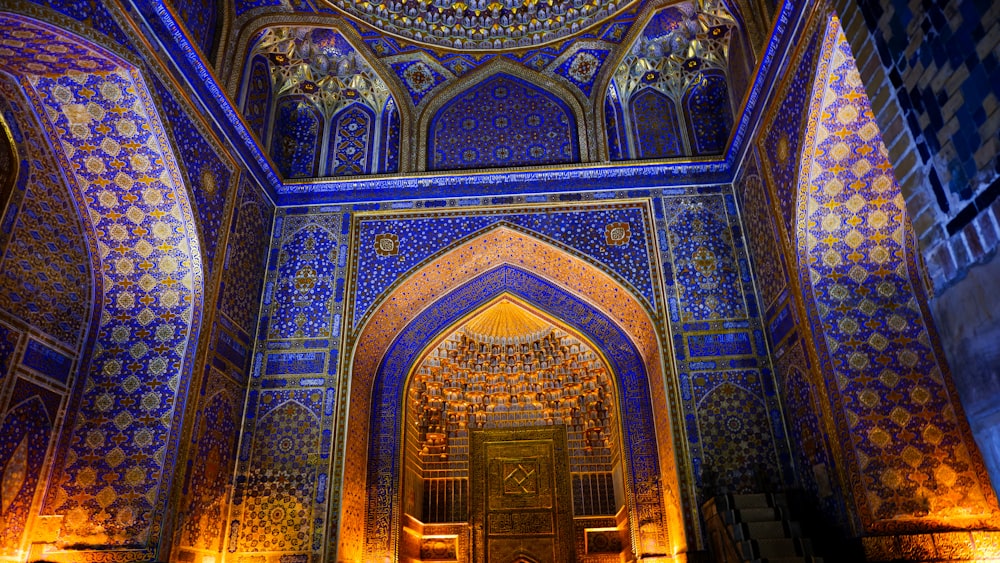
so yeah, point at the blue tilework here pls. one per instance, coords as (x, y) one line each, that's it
(624, 360)
(502, 121)
(420, 237)
(418, 77)
(243, 275)
(8, 345)
(45, 273)
(734, 428)
(200, 19)
(243, 6)
(92, 12)
(257, 100)
(780, 145)
(866, 303)
(352, 140)
(140, 291)
(763, 241)
(709, 115)
(656, 129)
(206, 173)
(389, 149)
(204, 517)
(276, 497)
(705, 263)
(305, 288)
(934, 52)
(296, 138)
(25, 430)
(614, 123)
(583, 67)
(47, 361)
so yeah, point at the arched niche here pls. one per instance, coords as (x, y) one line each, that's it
(261, 80)
(507, 259)
(569, 101)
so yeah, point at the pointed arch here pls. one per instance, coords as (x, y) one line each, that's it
(89, 96)
(235, 57)
(571, 99)
(510, 258)
(856, 259)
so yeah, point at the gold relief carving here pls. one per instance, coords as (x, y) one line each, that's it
(439, 548)
(520, 523)
(520, 477)
(603, 540)
(520, 503)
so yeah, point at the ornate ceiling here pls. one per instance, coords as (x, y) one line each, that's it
(481, 25)
(401, 86)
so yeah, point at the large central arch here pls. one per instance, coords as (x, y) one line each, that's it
(504, 259)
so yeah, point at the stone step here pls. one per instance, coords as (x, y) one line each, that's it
(766, 530)
(775, 548)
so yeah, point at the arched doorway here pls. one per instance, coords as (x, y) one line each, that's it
(511, 428)
(500, 261)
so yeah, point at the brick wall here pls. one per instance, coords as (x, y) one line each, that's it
(932, 70)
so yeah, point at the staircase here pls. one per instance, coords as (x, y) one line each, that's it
(755, 528)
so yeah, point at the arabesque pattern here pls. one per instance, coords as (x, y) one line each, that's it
(108, 134)
(911, 457)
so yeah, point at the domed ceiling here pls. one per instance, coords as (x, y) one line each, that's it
(481, 25)
(403, 86)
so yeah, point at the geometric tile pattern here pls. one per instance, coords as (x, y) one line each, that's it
(910, 455)
(761, 232)
(200, 19)
(502, 121)
(276, 499)
(656, 131)
(304, 290)
(705, 266)
(709, 115)
(623, 359)
(441, 276)
(215, 449)
(25, 430)
(583, 67)
(935, 53)
(420, 236)
(209, 176)
(45, 275)
(780, 141)
(114, 150)
(8, 344)
(735, 436)
(244, 267)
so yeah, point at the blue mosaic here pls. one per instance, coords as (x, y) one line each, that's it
(307, 266)
(207, 175)
(8, 345)
(706, 269)
(502, 121)
(295, 141)
(583, 67)
(419, 237)
(25, 430)
(657, 131)
(418, 77)
(47, 361)
(295, 363)
(709, 115)
(614, 123)
(725, 344)
(389, 149)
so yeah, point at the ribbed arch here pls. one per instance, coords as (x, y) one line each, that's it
(88, 96)
(519, 261)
